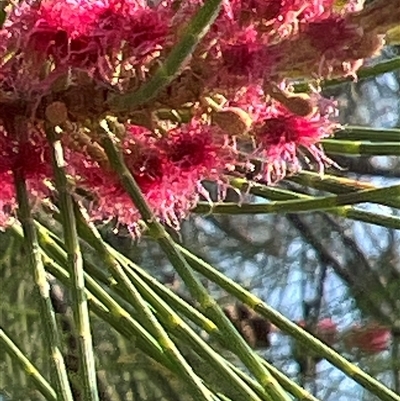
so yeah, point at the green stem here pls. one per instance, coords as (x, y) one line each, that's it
(135, 298)
(284, 324)
(185, 334)
(40, 382)
(180, 54)
(51, 330)
(176, 303)
(348, 212)
(114, 313)
(75, 264)
(102, 303)
(338, 185)
(296, 206)
(167, 314)
(352, 132)
(179, 304)
(359, 148)
(197, 290)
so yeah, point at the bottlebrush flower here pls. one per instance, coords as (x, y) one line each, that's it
(252, 99)
(93, 51)
(369, 339)
(333, 46)
(8, 202)
(147, 164)
(83, 33)
(168, 171)
(281, 136)
(297, 40)
(244, 55)
(194, 146)
(197, 151)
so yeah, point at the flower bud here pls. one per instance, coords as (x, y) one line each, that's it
(57, 113)
(233, 120)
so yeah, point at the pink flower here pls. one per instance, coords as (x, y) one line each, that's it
(280, 137)
(168, 171)
(8, 202)
(145, 161)
(369, 339)
(80, 32)
(252, 99)
(195, 146)
(331, 34)
(28, 154)
(197, 150)
(93, 50)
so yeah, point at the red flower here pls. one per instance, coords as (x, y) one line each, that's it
(195, 146)
(79, 32)
(280, 136)
(147, 165)
(197, 150)
(332, 34)
(370, 339)
(168, 171)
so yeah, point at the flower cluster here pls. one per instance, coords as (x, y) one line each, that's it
(169, 171)
(229, 106)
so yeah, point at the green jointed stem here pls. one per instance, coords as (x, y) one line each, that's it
(106, 307)
(331, 183)
(175, 319)
(352, 132)
(118, 318)
(61, 382)
(280, 321)
(339, 185)
(39, 381)
(289, 385)
(143, 310)
(181, 52)
(75, 264)
(166, 314)
(296, 206)
(186, 335)
(102, 303)
(360, 148)
(178, 304)
(198, 291)
(295, 390)
(349, 212)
